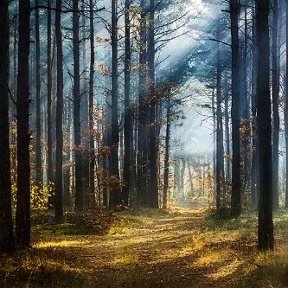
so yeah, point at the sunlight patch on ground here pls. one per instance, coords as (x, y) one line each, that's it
(62, 243)
(125, 259)
(213, 257)
(226, 270)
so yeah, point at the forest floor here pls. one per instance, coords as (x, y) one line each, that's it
(151, 248)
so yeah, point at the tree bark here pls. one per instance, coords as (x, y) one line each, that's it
(38, 166)
(23, 135)
(142, 115)
(275, 97)
(167, 153)
(59, 118)
(91, 107)
(236, 169)
(264, 129)
(50, 178)
(128, 127)
(153, 141)
(77, 104)
(115, 196)
(6, 225)
(219, 135)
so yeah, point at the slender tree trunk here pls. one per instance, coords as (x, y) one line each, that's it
(38, 155)
(77, 104)
(91, 107)
(227, 129)
(167, 153)
(190, 178)
(115, 196)
(67, 158)
(59, 118)
(84, 110)
(219, 135)
(254, 168)
(6, 225)
(245, 113)
(23, 135)
(50, 178)
(176, 178)
(286, 110)
(275, 96)
(153, 144)
(214, 139)
(264, 129)
(142, 115)
(128, 127)
(236, 169)
(182, 174)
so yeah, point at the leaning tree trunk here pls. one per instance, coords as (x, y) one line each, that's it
(264, 129)
(59, 118)
(23, 135)
(6, 224)
(77, 102)
(236, 169)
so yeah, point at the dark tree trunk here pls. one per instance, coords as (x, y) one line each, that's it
(50, 178)
(6, 225)
(23, 136)
(219, 136)
(91, 108)
(236, 169)
(254, 168)
(84, 110)
(59, 118)
(167, 153)
(38, 166)
(142, 115)
(128, 124)
(153, 141)
(77, 103)
(115, 194)
(264, 130)
(245, 113)
(275, 96)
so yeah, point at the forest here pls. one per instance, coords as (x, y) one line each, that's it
(144, 143)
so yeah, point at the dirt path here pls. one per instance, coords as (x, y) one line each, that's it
(159, 251)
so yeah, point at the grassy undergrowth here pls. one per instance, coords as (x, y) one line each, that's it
(130, 245)
(254, 269)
